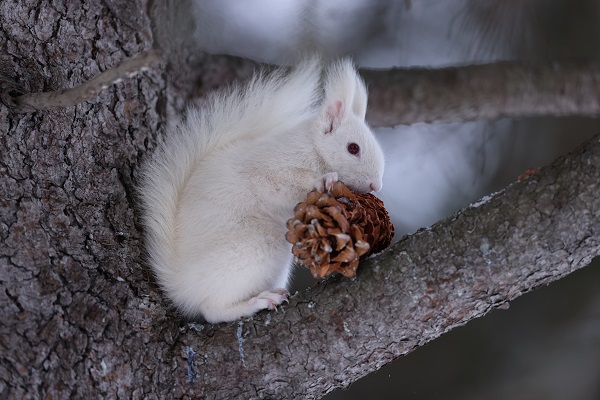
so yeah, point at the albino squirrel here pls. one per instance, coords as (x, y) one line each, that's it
(220, 187)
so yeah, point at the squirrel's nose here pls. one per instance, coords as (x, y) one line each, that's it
(376, 187)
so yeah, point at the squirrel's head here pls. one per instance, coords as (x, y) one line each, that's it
(344, 140)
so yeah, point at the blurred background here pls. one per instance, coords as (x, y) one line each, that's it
(432, 169)
(547, 345)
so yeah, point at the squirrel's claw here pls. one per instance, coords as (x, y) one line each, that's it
(326, 182)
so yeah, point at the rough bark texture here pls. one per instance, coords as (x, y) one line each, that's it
(82, 317)
(88, 90)
(476, 92)
(71, 283)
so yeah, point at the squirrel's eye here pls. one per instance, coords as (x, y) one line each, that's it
(353, 148)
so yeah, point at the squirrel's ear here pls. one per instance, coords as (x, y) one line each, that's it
(333, 114)
(359, 103)
(345, 92)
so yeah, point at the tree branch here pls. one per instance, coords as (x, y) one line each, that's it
(530, 234)
(480, 92)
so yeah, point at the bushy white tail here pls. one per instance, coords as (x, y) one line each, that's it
(276, 102)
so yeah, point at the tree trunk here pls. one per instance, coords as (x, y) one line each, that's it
(83, 317)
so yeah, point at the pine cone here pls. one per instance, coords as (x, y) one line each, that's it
(331, 232)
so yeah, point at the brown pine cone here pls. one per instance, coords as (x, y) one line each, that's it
(330, 232)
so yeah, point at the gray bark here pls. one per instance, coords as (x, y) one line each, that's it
(82, 316)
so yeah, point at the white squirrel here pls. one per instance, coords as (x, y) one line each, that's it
(219, 188)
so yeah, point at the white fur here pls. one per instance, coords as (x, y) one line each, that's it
(218, 190)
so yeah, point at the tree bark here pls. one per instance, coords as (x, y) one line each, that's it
(86, 91)
(83, 317)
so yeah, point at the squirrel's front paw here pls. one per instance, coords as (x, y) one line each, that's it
(325, 182)
(269, 299)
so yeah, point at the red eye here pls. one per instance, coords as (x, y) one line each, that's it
(353, 148)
